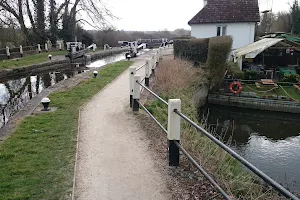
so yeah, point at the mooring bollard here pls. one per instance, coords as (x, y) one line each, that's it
(132, 72)
(174, 131)
(136, 93)
(7, 52)
(147, 73)
(21, 50)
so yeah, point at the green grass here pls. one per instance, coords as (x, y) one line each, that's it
(37, 160)
(29, 60)
(261, 92)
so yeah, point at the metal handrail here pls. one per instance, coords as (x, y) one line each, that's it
(158, 97)
(247, 164)
(140, 67)
(209, 178)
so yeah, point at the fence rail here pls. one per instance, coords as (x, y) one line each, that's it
(173, 132)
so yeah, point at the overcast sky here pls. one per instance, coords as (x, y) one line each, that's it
(145, 15)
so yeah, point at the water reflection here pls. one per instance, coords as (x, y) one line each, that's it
(269, 140)
(105, 61)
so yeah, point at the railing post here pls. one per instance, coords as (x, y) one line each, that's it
(153, 66)
(174, 131)
(46, 47)
(132, 72)
(21, 50)
(136, 93)
(39, 48)
(7, 52)
(147, 73)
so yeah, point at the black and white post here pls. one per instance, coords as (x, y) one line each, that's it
(7, 52)
(153, 63)
(147, 74)
(132, 72)
(21, 50)
(39, 48)
(174, 131)
(136, 93)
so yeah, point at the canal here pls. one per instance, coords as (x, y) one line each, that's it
(17, 91)
(269, 140)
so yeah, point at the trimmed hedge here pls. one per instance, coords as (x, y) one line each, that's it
(218, 52)
(193, 49)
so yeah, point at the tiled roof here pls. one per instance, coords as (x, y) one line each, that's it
(222, 11)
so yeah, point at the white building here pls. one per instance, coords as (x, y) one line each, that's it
(227, 17)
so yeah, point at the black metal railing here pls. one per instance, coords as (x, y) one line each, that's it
(247, 164)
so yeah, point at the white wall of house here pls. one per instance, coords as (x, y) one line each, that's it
(242, 33)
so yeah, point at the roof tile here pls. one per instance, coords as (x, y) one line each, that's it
(222, 11)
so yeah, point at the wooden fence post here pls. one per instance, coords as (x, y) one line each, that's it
(174, 131)
(7, 52)
(136, 93)
(60, 46)
(153, 65)
(132, 72)
(21, 50)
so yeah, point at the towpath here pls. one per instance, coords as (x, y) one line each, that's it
(114, 161)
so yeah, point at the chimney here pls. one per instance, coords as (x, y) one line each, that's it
(204, 2)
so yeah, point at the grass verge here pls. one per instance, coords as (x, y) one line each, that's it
(178, 79)
(29, 60)
(37, 160)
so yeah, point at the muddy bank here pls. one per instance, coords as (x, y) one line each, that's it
(56, 64)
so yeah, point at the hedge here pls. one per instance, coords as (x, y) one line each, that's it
(193, 49)
(218, 52)
(235, 70)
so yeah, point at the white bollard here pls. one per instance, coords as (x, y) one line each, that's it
(21, 50)
(132, 72)
(136, 93)
(7, 52)
(60, 46)
(174, 126)
(46, 47)
(39, 48)
(94, 47)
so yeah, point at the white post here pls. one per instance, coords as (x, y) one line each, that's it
(132, 72)
(174, 131)
(94, 47)
(147, 74)
(136, 93)
(39, 48)
(46, 47)
(21, 50)
(153, 62)
(7, 52)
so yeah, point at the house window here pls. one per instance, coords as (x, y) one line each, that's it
(221, 30)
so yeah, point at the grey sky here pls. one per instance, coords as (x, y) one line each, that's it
(146, 15)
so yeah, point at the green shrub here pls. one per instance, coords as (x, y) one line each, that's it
(252, 75)
(235, 71)
(291, 78)
(195, 50)
(218, 52)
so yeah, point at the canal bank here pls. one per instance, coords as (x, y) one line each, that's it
(57, 63)
(177, 79)
(20, 95)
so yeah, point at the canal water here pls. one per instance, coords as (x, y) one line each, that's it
(269, 140)
(16, 92)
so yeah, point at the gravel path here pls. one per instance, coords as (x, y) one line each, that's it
(114, 159)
